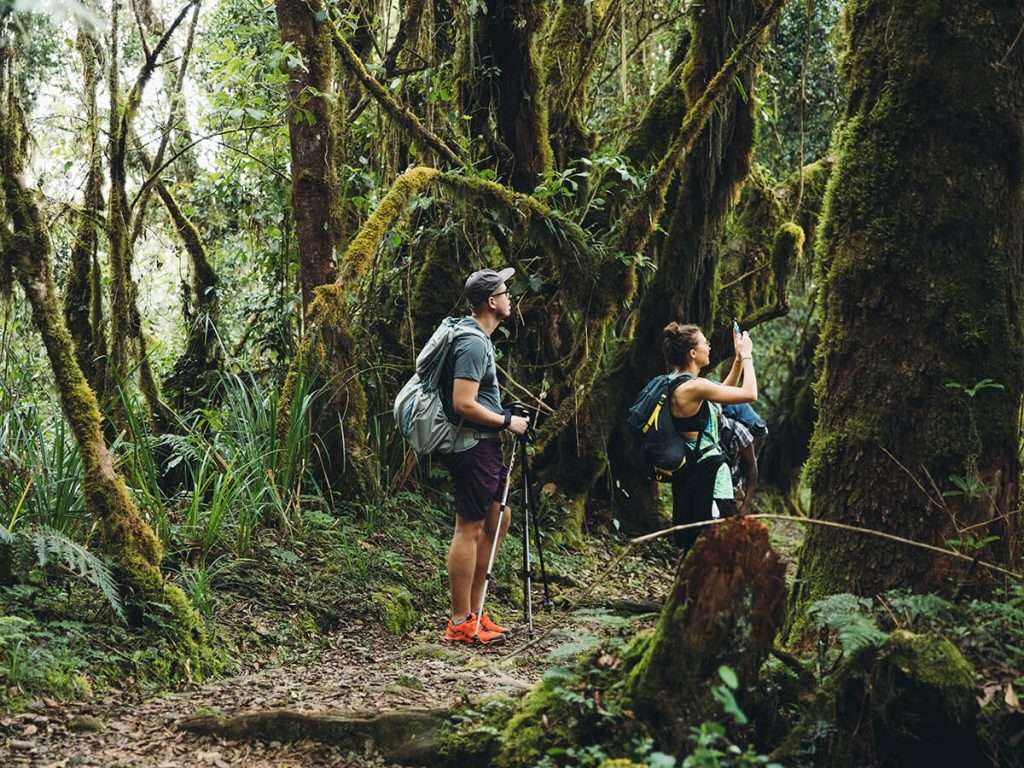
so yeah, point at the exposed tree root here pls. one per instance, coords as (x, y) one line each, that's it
(410, 736)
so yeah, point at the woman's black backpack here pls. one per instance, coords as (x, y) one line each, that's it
(650, 417)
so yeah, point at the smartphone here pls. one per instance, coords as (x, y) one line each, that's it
(735, 327)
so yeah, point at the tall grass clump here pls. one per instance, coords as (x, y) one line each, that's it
(40, 472)
(241, 476)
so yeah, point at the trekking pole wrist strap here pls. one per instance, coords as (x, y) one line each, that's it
(508, 420)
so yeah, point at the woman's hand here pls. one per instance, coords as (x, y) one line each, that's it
(744, 345)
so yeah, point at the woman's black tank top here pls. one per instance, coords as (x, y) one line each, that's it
(694, 423)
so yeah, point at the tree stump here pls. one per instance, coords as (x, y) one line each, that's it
(726, 606)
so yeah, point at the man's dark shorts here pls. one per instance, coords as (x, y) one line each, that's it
(479, 476)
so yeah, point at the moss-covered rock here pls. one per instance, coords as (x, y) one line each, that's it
(907, 703)
(397, 610)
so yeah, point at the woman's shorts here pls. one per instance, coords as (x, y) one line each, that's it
(479, 476)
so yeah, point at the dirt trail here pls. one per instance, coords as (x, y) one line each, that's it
(357, 669)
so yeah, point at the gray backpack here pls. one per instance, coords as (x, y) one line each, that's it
(419, 410)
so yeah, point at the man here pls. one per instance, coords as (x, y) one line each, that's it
(745, 414)
(738, 445)
(478, 472)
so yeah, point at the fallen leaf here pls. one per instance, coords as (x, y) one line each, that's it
(1011, 697)
(988, 694)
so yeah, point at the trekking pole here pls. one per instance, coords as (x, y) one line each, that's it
(528, 502)
(494, 543)
(527, 568)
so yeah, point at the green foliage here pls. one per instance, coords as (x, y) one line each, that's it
(48, 549)
(34, 661)
(723, 694)
(40, 471)
(51, 545)
(802, 48)
(849, 617)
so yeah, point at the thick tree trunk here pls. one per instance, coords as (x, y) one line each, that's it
(578, 30)
(311, 131)
(921, 255)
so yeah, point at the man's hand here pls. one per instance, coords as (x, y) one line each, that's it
(519, 425)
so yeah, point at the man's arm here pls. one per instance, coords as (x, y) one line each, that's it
(465, 405)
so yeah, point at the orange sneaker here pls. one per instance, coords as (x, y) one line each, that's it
(463, 633)
(487, 623)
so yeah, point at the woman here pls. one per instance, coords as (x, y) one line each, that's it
(706, 477)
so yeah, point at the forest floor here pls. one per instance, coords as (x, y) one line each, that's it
(356, 666)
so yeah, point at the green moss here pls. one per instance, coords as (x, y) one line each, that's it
(473, 735)
(912, 700)
(543, 720)
(363, 247)
(397, 610)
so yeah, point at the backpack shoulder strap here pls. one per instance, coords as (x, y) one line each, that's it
(675, 381)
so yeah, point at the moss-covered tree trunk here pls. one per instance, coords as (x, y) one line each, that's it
(578, 31)
(499, 70)
(727, 603)
(125, 536)
(79, 304)
(311, 132)
(128, 342)
(921, 254)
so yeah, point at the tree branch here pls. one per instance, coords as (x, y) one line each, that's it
(401, 114)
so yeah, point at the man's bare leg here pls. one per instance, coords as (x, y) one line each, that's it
(483, 552)
(462, 559)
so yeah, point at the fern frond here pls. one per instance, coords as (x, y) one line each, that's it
(850, 618)
(6, 537)
(53, 545)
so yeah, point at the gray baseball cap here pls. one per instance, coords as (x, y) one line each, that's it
(484, 282)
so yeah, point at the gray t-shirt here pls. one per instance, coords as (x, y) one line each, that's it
(473, 358)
